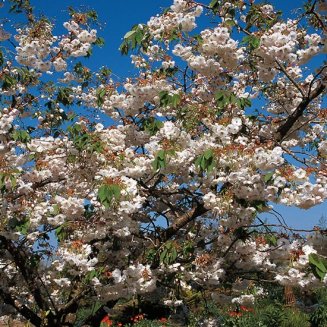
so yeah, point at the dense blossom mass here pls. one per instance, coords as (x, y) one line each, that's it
(162, 197)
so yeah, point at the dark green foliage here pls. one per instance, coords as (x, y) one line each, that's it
(319, 317)
(8, 82)
(99, 42)
(20, 226)
(83, 73)
(214, 5)
(64, 96)
(5, 177)
(85, 312)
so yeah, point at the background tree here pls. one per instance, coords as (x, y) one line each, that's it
(221, 123)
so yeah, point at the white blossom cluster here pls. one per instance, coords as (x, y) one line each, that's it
(41, 53)
(182, 15)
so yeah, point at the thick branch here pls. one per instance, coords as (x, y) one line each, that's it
(293, 118)
(183, 220)
(28, 274)
(69, 307)
(23, 310)
(283, 69)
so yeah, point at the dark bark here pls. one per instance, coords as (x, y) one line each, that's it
(23, 310)
(284, 129)
(183, 220)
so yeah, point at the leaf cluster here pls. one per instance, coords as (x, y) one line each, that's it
(108, 194)
(137, 38)
(84, 140)
(206, 161)
(171, 100)
(224, 98)
(318, 265)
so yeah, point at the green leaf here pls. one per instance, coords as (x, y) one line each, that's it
(206, 161)
(167, 99)
(64, 96)
(319, 273)
(61, 233)
(100, 93)
(129, 34)
(214, 5)
(92, 14)
(251, 41)
(169, 254)
(99, 41)
(173, 255)
(1, 58)
(124, 48)
(55, 209)
(318, 265)
(3, 182)
(315, 260)
(8, 82)
(21, 136)
(160, 161)
(22, 226)
(152, 126)
(229, 22)
(175, 100)
(259, 205)
(271, 239)
(13, 181)
(222, 98)
(161, 154)
(137, 37)
(163, 255)
(108, 194)
(268, 177)
(86, 311)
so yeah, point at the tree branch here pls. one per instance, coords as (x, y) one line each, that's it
(183, 220)
(23, 310)
(283, 130)
(28, 274)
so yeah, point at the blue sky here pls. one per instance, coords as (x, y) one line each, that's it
(116, 18)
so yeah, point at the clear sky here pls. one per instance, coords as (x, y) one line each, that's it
(117, 17)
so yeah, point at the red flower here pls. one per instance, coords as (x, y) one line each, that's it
(106, 321)
(137, 318)
(246, 309)
(235, 314)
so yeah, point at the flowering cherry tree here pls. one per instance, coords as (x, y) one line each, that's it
(223, 121)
